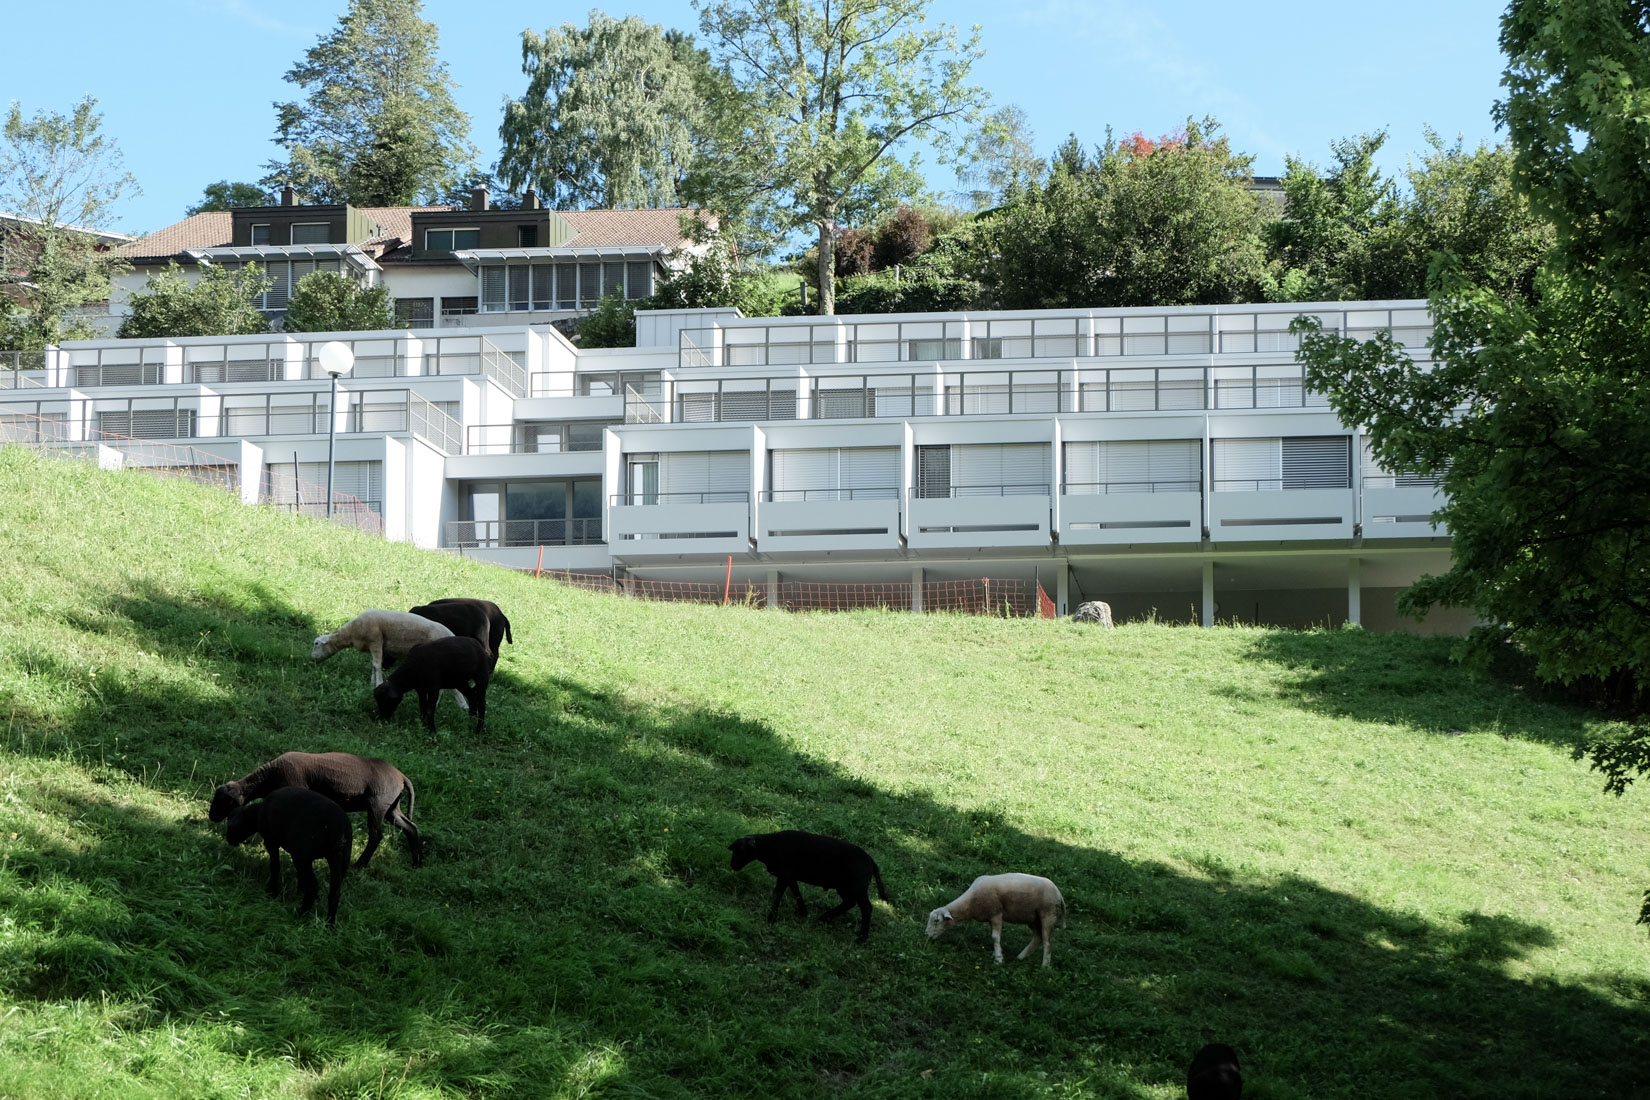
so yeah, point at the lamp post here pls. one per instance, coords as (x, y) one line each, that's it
(336, 358)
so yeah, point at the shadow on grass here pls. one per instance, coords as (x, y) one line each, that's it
(1412, 682)
(577, 929)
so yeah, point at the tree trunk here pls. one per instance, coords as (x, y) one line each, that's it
(827, 265)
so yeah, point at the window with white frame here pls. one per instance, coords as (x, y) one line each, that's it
(311, 232)
(834, 473)
(260, 235)
(1273, 465)
(1133, 466)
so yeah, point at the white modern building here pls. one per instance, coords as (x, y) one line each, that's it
(1167, 461)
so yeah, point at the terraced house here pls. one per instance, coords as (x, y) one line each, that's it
(1168, 461)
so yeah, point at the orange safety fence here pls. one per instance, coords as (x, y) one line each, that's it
(191, 462)
(1045, 606)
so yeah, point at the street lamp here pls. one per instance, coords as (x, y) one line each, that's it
(336, 358)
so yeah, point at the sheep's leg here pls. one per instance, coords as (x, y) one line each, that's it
(274, 885)
(375, 833)
(337, 863)
(778, 894)
(1048, 937)
(426, 706)
(458, 697)
(997, 937)
(477, 695)
(409, 830)
(837, 910)
(376, 649)
(801, 906)
(1036, 938)
(306, 879)
(864, 917)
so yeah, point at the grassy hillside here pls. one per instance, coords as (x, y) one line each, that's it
(1372, 875)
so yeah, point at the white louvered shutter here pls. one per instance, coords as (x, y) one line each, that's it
(492, 289)
(1082, 469)
(1248, 465)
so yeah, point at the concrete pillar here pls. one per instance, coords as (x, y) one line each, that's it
(916, 588)
(773, 590)
(1208, 593)
(1354, 593)
(1062, 590)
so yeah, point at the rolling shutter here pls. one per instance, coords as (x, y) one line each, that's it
(933, 472)
(1317, 462)
(638, 282)
(718, 475)
(492, 290)
(994, 469)
(1248, 465)
(849, 473)
(520, 297)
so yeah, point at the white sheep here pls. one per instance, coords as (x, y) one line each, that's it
(383, 634)
(1018, 899)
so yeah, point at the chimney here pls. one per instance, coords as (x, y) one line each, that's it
(478, 197)
(289, 197)
(530, 199)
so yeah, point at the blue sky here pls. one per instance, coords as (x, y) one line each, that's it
(186, 86)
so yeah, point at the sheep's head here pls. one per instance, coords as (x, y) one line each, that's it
(939, 922)
(323, 648)
(744, 850)
(388, 697)
(243, 823)
(226, 800)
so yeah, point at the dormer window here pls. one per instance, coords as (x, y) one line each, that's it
(447, 240)
(527, 236)
(260, 235)
(311, 232)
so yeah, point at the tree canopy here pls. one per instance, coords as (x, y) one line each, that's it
(1535, 413)
(61, 176)
(330, 301)
(378, 125)
(837, 91)
(219, 302)
(610, 115)
(224, 195)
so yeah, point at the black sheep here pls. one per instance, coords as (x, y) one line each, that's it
(308, 825)
(478, 619)
(1214, 1074)
(356, 783)
(793, 857)
(455, 662)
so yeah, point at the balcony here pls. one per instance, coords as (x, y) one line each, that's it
(677, 523)
(829, 519)
(1117, 513)
(979, 515)
(478, 534)
(1400, 507)
(1262, 511)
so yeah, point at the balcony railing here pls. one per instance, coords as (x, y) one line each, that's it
(1069, 337)
(22, 370)
(469, 533)
(951, 492)
(522, 439)
(1099, 488)
(709, 496)
(890, 492)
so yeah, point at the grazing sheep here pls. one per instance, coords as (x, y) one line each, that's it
(1214, 1074)
(1018, 899)
(310, 826)
(380, 634)
(356, 783)
(793, 857)
(458, 663)
(481, 619)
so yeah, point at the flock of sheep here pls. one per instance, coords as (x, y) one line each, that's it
(301, 802)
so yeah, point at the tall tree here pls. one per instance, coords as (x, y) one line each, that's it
(378, 125)
(224, 195)
(1535, 414)
(330, 301)
(61, 177)
(1002, 158)
(838, 90)
(609, 116)
(1164, 222)
(1342, 231)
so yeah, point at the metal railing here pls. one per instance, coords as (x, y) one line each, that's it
(1101, 488)
(1072, 336)
(520, 438)
(951, 492)
(467, 533)
(22, 370)
(710, 496)
(890, 492)
(434, 425)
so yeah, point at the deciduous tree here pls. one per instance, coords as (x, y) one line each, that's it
(224, 195)
(378, 125)
(61, 177)
(838, 91)
(330, 301)
(1535, 414)
(219, 302)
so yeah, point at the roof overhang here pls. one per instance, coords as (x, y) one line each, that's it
(249, 253)
(475, 258)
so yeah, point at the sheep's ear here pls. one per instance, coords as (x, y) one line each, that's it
(946, 914)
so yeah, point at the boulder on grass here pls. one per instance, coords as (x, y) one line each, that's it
(1094, 612)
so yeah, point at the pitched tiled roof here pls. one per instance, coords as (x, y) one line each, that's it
(594, 228)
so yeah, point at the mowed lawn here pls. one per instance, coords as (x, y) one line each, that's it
(1372, 874)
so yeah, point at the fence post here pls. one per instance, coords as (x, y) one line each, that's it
(727, 585)
(540, 565)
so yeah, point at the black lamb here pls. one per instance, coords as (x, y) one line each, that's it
(793, 857)
(308, 825)
(478, 619)
(356, 783)
(455, 662)
(1214, 1074)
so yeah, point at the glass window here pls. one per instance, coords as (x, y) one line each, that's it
(311, 232)
(527, 236)
(260, 234)
(446, 240)
(584, 437)
(416, 312)
(535, 500)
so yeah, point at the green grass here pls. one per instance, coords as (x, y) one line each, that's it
(1265, 837)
